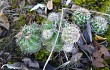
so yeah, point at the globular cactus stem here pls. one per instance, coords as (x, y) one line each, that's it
(99, 25)
(29, 39)
(70, 35)
(49, 33)
(54, 17)
(81, 16)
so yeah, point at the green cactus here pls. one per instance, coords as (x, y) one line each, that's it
(29, 38)
(81, 16)
(99, 25)
(49, 33)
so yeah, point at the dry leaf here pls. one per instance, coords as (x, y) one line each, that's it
(97, 60)
(4, 21)
(89, 48)
(0, 30)
(16, 19)
(87, 33)
(97, 64)
(42, 6)
(76, 57)
(50, 4)
(96, 44)
(104, 51)
(99, 38)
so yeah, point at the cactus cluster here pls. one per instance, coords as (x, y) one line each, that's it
(99, 25)
(29, 38)
(81, 16)
(70, 35)
(32, 36)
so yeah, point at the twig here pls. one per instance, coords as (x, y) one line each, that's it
(99, 13)
(83, 38)
(84, 52)
(55, 40)
(66, 56)
(63, 65)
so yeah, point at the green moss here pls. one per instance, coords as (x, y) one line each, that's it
(56, 1)
(39, 19)
(21, 22)
(107, 35)
(93, 4)
(14, 6)
(105, 68)
(42, 55)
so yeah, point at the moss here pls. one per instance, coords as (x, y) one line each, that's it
(56, 1)
(42, 55)
(39, 19)
(13, 4)
(105, 68)
(21, 22)
(107, 35)
(93, 4)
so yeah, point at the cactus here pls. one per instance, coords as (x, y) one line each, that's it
(49, 33)
(54, 17)
(99, 25)
(29, 38)
(81, 16)
(70, 35)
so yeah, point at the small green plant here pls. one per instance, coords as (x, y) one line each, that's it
(81, 16)
(49, 33)
(99, 25)
(29, 38)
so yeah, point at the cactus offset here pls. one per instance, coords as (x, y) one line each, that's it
(49, 33)
(70, 35)
(81, 16)
(99, 25)
(54, 17)
(29, 38)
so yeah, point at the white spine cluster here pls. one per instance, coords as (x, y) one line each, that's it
(70, 34)
(53, 17)
(68, 47)
(47, 34)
